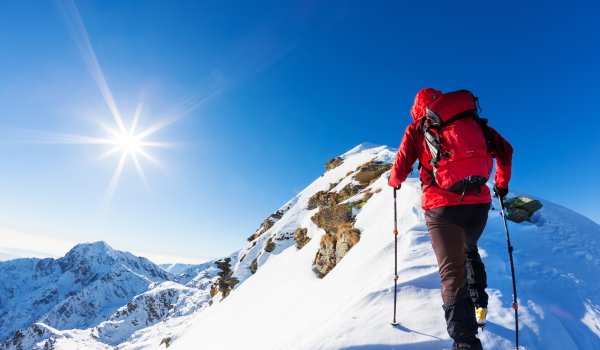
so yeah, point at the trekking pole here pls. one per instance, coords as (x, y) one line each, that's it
(394, 323)
(512, 270)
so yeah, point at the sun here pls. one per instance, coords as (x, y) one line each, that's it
(132, 144)
(128, 143)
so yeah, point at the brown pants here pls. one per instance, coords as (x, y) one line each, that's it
(454, 232)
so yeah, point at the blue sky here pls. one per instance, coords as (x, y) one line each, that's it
(277, 88)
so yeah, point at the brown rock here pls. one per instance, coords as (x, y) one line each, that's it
(301, 238)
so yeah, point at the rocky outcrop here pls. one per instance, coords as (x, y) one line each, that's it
(369, 172)
(325, 259)
(336, 217)
(301, 238)
(226, 282)
(346, 239)
(254, 265)
(267, 224)
(519, 209)
(270, 246)
(330, 198)
(333, 163)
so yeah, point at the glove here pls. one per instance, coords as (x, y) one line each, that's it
(500, 192)
(395, 187)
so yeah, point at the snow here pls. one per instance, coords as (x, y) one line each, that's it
(284, 305)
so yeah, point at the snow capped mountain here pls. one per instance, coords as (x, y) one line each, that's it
(78, 290)
(317, 274)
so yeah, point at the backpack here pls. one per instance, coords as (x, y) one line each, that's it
(459, 142)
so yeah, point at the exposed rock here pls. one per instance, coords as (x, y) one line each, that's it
(282, 236)
(340, 237)
(254, 266)
(519, 209)
(226, 281)
(333, 163)
(350, 190)
(371, 171)
(330, 218)
(301, 238)
(518, 215)
(278, 214)
(268, 223)
(345, 241)
(364, 199)
(332, 185)
(270, 246)
(337, 218)
(325, 260)
(166, 341)
(322, 198)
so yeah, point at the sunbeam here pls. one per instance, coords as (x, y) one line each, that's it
(185, 107)
(110, 191)
(122, 134)
(82, 40)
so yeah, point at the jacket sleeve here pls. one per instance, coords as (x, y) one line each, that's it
(503, 152)
(406, 157)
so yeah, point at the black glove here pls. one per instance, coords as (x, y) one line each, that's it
(500, 192)
(397, 188)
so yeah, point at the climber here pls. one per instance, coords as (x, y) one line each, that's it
(455, 149)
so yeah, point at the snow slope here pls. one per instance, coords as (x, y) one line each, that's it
(267, 295)
(284, 305)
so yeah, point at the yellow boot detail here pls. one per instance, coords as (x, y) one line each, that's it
(480, 314)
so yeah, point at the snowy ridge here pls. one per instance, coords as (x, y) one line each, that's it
(268, 295)
(286, 306)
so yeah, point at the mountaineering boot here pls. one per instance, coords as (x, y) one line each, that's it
(472, 345)
(480, 314)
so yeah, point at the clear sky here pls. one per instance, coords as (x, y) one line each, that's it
(258, 95)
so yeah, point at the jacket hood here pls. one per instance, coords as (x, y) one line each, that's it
(423, 98)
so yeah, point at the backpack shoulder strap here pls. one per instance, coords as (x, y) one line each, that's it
(425, 187)
(489, 138)
(432, 139)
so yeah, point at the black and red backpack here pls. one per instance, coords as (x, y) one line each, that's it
(459, 142)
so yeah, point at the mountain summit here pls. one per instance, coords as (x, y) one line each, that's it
(318, 274)
(78, 290)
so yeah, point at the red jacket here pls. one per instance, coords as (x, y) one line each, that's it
(413, 147)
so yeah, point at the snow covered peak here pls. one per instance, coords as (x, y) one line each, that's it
(94, 248)
(365, 146)
(78, 290)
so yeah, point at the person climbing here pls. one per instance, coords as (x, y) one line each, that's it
(455, 149)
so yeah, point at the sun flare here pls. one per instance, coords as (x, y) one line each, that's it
(128, 143)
